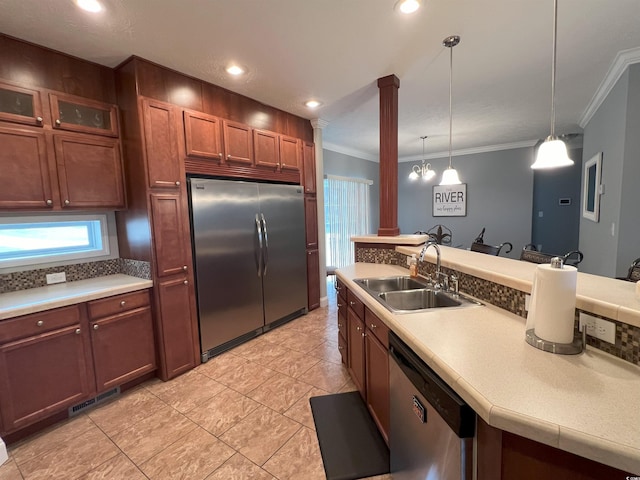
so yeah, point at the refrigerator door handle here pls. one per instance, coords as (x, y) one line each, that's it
(266, 245)
(260, 249)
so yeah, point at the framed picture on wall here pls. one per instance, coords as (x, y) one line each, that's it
(450, 200)
(591, 187)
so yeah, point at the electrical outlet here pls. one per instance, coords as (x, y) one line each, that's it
(56, 278)
(408, 260)
(605, 330)
(589, 322)
(598, 328)
(527, 299)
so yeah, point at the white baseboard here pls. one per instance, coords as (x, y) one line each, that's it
(3, 452)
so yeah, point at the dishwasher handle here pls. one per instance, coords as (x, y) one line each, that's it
(449, 405)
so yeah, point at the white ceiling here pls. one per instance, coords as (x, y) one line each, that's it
(334, 50)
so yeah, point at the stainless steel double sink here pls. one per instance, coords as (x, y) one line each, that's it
(404, 294)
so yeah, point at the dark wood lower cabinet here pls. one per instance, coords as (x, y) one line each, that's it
(43, 374)
(313, 279)
(174, 327)
(377, 381)
(505, 456)
(355, 349)
(52, 360)
(123, 347)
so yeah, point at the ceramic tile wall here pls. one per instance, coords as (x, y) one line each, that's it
(12, 282)
(627, 346)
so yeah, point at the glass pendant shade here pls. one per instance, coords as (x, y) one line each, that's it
(552, 154)
(450, 177)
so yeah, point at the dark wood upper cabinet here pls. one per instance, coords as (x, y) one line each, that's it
(203, 136)
(309, 167)
(163, 163)
(266, 149)
(25, 174)
(82, 115)
(289, 153)
(238, 142)
(89, 171)
(20, 105)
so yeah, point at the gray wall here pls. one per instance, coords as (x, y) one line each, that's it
(557, 230)
(499, 198)
(611, 244)
(348, 166)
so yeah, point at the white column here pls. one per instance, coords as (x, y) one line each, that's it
(318, 124)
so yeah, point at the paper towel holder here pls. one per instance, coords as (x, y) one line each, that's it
(573, 348)
(579, 342)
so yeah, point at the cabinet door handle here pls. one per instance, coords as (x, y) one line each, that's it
(49, 201)
(77, 331)
(228, 157)
(39, 119)
(364, 334)
(358, 329)
(340, 347)
(95, 326)
(186, 282)
(340, 305)
(373, 326)
(123, 303)
(220, 154)
(177, 184)
(352, 303)
(40, 323)
(184, 268)
(58, 122)
(339, 325)
(67, 202)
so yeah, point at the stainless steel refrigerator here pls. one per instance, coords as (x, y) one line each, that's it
(250, 258)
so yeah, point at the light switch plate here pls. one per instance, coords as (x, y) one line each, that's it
(56, 278)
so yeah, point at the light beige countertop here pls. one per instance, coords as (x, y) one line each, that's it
(609, 297)
(586, 404)
(22, 302)
(397, 240)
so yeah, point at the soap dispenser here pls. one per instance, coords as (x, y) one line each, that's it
(413, 266)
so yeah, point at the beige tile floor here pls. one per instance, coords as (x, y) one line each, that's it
(242, 415)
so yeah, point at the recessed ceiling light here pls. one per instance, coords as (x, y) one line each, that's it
(235, 70)
(408, 6)
(93, 6)
(313, 103)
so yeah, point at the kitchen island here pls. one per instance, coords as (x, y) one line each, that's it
(583, 404)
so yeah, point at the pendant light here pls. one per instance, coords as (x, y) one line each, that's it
(450, 175)
(423, 171)
(553, 152)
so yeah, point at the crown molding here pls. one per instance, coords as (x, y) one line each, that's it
(623, 59)
(352, 152)
(319, 123)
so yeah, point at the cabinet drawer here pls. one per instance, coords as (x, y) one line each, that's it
(356, 304)
(117, 304)
(377, 327)
(36, 323)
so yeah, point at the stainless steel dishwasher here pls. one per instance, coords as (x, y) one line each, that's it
(432, 428)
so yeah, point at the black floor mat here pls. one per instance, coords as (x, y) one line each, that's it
(350, 443)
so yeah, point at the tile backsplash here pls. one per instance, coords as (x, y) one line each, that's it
(12, 282)
(627, 346)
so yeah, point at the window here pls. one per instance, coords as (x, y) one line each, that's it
(34, 240)
(346, 210)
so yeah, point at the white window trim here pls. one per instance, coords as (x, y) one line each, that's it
(109, 242)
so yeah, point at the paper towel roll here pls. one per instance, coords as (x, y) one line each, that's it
(553, 303)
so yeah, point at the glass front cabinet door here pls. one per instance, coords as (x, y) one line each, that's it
(83, 115)
(20, 105)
